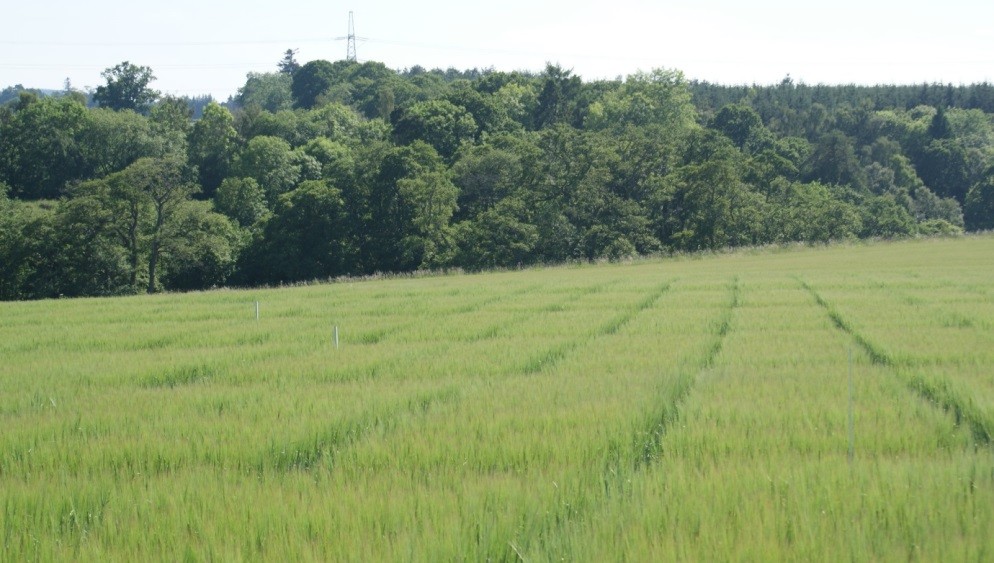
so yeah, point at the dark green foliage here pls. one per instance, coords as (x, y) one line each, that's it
(409, 208)
(944, 167)
(11, 94)
(21, 232)
(171, 119)
(243, 200)
(270, 162)
(440, 123)
(488, 113)
(335, 159)
(500, 237)
(83, 254)
(339, 168)
(834, 161)
(312, 81)
(940, 127)
(738, 122)
(212, 146)
(706, 204)
(269, 91)
(40, 150)
(112, 140)
(288, 64)
(979, 208)
(559, 100)
(204, 250)
(884, 217)
(485, 175)
(126, 88)
(307, 238)
(809, 212)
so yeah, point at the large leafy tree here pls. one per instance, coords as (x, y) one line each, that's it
(808, 212)
(944, 166)
(126, 88)
(738, 122)
(307, 238)
(490, 114)
(979, 208)
(113, 140)
(171, 121)
(579, 208)
(212, 144)
(275, 166)
(559, 100)
(485, 175)
(83, 255)
(202, 250)
(40, 148)
(165, 185)
(706, 204)
(21, 228)
(440, 123)
(884, 217)
(242, 200)
(336, 160)
(140, 205)
(659, 99)
(269, 91)
(410, 206)
(834, 161)
(499, 237)
(313, 81)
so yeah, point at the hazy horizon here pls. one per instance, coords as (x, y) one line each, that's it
(198, 49)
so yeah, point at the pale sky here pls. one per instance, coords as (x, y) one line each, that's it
(199, 47)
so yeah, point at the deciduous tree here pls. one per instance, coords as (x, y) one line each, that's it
(979, 208)
(126, 88)
(40, 149)
(212, 146)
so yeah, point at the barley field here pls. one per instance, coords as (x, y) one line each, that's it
(815, 404)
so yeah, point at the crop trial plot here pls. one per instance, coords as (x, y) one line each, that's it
(806, 404)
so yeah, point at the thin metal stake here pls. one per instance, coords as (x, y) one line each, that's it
(852, 424)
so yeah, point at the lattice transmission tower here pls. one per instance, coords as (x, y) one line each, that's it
(350, 50)
(350, 39)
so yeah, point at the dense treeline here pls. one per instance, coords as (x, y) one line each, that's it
(339, 168)
(800, 97)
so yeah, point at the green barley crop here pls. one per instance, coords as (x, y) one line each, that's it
(671, 409)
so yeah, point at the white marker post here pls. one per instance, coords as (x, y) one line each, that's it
(256, 310)
(336, 337)
(852, 422)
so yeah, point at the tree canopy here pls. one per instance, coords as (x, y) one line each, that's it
(126, 88)
(338, 168)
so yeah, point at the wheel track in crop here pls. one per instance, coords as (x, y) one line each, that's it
(948, 317)
(320, 449)
(307, 451)
(649, 441)
(937, 391)
(375, 369)
(493, 330)
(377, 336)
(553, 355)
(646, 445)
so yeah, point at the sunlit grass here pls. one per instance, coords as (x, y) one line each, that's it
(693, 409)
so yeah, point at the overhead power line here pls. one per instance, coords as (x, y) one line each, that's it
(56, 43)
